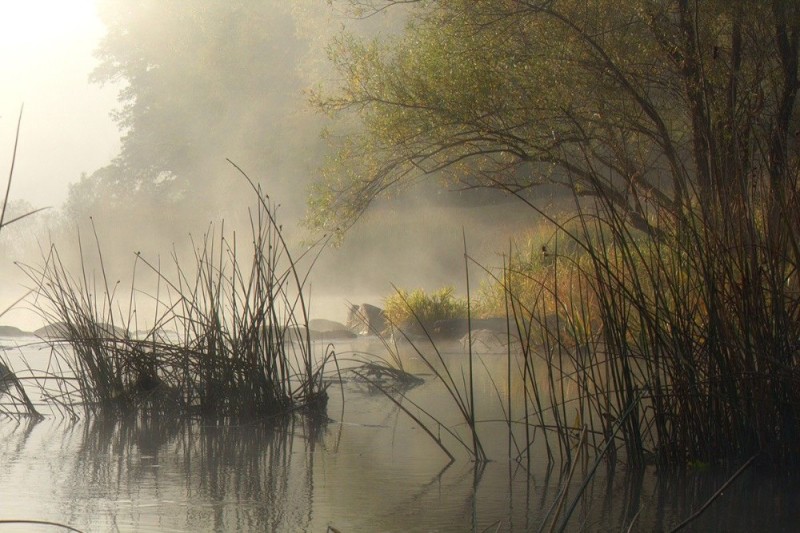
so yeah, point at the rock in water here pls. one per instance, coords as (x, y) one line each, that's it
(11, 331)
(366, 319)
(323, 325)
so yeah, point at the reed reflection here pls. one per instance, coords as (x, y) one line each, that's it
(153, 471)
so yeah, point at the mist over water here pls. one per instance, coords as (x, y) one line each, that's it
(364, 467)
(146, 126)
(69, 144)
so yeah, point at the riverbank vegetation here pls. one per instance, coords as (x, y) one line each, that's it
(666, 308)
(416, 309)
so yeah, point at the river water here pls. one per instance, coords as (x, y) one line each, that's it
(367, 466)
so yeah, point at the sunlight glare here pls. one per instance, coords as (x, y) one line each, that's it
(46, 57)
(41, 23)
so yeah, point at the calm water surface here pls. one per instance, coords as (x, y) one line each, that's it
(367, 467)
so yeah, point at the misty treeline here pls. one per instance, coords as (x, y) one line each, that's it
(198, 83)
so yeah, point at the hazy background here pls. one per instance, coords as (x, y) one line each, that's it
(234, 88)
(46, 49)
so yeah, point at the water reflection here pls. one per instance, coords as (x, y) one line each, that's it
(156, 473)
(366, 468)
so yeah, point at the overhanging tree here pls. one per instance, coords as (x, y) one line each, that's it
(647, 104)
(679, 118)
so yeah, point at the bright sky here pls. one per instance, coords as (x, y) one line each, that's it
(46, 49)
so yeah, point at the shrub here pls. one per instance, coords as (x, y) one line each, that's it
(417, 309)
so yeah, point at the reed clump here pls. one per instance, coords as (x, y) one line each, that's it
(417, 309)
(229, 338)
(676, 345)
(679, 345)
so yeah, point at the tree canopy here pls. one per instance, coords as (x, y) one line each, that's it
(665, 103)
(201, 82)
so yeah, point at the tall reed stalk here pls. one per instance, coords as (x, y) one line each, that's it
(15, 401)
(462, 395)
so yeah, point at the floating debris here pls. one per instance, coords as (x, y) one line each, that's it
(385, 376)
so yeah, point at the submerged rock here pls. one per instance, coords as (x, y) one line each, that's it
(11, 331)
(455, 328)
(333, 335)
(329, 330)
(323, 325)
(61, 330)
(487, 341)
(52, 331)
(295, 333)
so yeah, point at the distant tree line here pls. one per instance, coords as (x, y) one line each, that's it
(200, 82)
